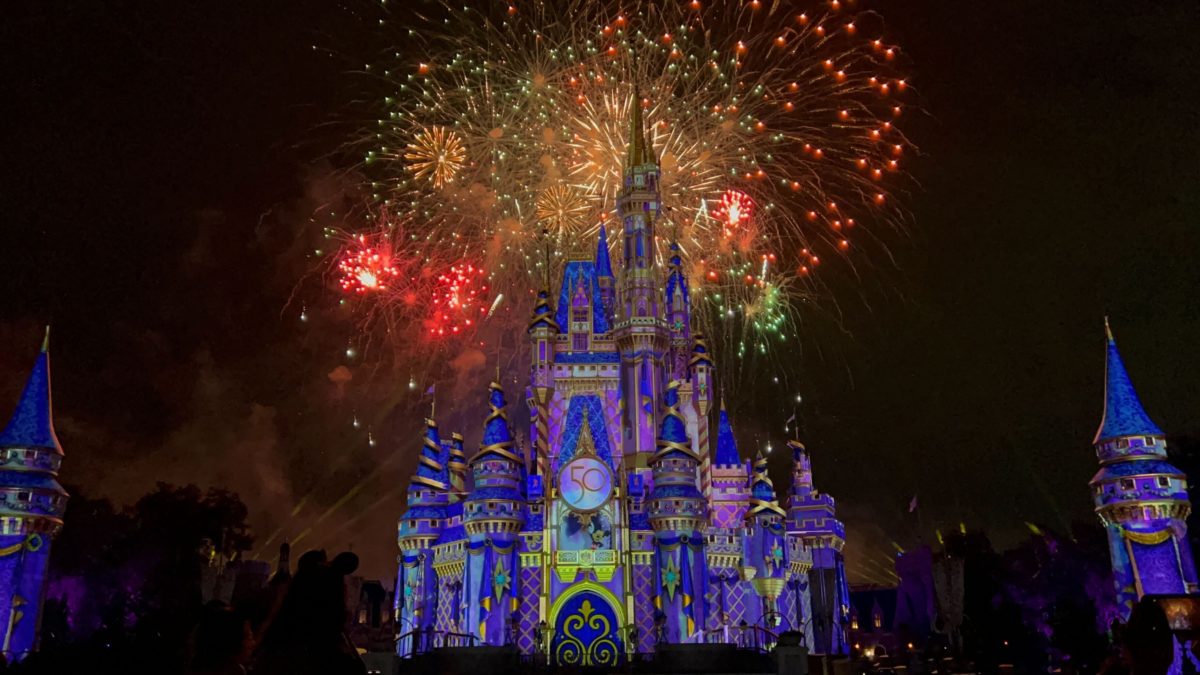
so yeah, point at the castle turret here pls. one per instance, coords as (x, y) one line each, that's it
(457, 467)
(812, 520)
(700, 368)
(678, 515)
(493, 515)
(1141, 498)
(542, 331)
(764, 544)
(679, 318)
(604, 275)
(730, 492)
(31, 509)
(420, 526)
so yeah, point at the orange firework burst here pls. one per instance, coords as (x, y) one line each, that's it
(436, 155)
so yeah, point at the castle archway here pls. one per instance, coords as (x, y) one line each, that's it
(588, 623)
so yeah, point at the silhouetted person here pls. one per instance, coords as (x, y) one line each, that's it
(307, 635)
(1147, 647)
(222, 643)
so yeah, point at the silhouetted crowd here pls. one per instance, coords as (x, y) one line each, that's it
(304, 631)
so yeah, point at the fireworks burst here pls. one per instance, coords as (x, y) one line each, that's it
(733, 210)
(775, 129)
(460, 300)
(563, 209)
(365, 268)
(436, 155)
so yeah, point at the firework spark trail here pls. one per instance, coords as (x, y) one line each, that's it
(511, 119)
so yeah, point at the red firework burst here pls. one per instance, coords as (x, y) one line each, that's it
(733, 209)
(459, 300)
(366, 269)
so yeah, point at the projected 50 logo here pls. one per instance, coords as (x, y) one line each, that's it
(585, 483)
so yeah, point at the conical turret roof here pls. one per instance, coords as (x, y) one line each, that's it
(727, 452)
(32, 423)
(1123, 411)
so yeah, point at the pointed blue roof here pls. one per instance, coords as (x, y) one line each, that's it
(727, 452)
(32, 423)
(760, 485)
(700, 353)
(762, 490)
(603, 263)
(502, 481)
(1123, 411)
(497, 439)
(431, 470)
(543, 313)
(576, 272)
(672, 436)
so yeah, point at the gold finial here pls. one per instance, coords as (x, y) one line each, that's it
(1108, 329)
(46, 340)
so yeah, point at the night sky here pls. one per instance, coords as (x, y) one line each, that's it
(159, 162)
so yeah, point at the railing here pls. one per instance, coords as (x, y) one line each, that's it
(417, 642)
(755, 638)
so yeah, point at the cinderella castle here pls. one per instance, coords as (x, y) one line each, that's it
(635, 522)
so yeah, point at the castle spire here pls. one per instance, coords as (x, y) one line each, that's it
(762, 490)
(727, 452)
(1123, 411)
(603, 262)
(431, 473)
(639, 152)
(32, 423)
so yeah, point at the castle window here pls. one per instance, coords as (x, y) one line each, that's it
(1122, 443)
(1149, 440)
(1163, 481)
(854, 623)
(22, 496)
(579, 314)
(1127, 484)
(579, 342)
(878, 621)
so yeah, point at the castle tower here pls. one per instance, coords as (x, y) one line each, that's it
(31, 509)
(604, 275)
(640, 331)
(420, 527)
(493, 515)
(701, 370)
(542, 331)
(812, 520)
(1141, 498)
(764, 544)
(457, 466)
(678, 515)
(679, 318)
(730, 492)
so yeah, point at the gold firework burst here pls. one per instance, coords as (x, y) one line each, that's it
(562, 209)
(436, 154)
